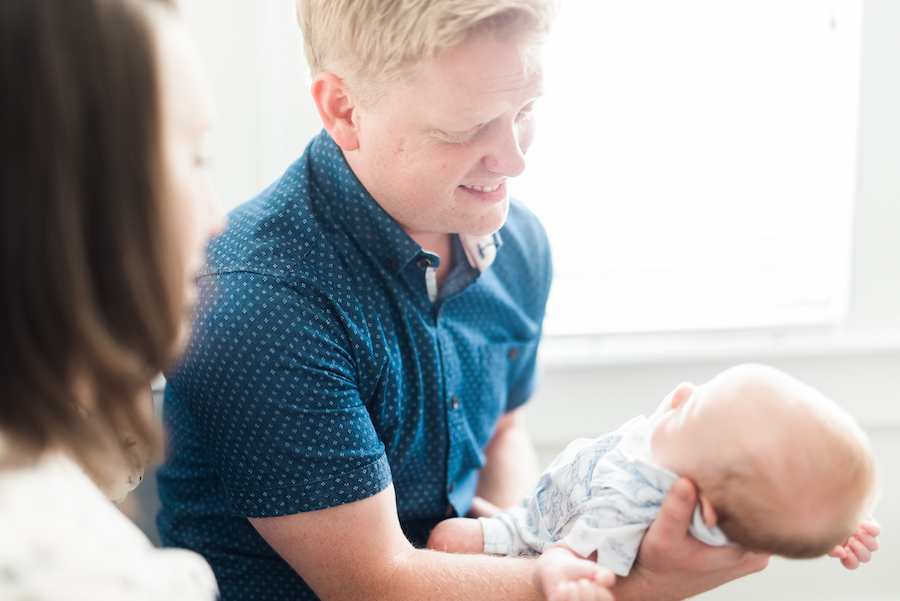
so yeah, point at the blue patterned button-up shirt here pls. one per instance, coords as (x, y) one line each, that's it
(320, 371)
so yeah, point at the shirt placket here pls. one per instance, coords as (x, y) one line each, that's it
(457, 485)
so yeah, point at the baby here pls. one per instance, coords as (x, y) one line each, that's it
(779, 469)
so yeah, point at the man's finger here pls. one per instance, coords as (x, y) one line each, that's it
(755, 562)
(676, 511)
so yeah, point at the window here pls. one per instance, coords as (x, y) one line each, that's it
(695, 164)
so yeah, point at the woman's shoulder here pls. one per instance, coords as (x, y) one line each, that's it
(63, 539)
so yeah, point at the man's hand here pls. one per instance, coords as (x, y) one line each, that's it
(561, 575)
(858, 548)
(673, 565)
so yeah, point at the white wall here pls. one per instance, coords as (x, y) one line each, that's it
(254, 57)
(876, 281)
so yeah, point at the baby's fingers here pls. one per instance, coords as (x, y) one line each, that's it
(604, 578)
(863, 554)
(867, 540)
(870, 526)
(859, 547)
(850, 562)
(867, 534)
(581, 590)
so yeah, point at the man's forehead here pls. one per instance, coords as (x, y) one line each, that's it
(482, 80)
(489, 59)
(503, 89)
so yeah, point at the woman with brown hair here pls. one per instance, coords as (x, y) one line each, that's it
(104, 214)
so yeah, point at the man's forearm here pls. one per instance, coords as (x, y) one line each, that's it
(358, 551)
(421, 575)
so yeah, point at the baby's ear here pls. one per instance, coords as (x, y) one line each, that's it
(706, 509)
(682, 393)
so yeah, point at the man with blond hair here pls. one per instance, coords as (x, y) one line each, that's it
(368, 326)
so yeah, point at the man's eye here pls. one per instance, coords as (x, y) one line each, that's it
(526, 112)
(466, 136)
(459, 138)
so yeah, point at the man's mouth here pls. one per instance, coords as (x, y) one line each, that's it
(483, 188)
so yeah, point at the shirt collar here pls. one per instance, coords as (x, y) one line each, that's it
(481, 250)
(344, 196)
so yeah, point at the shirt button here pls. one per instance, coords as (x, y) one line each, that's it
(454, 402)
(513, 354)
(424, 262)
(391, 265)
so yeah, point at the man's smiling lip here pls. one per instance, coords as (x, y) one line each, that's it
(483, 188)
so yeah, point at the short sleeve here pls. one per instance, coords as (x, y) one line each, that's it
(272, 389)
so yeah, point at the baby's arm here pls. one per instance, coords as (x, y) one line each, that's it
(457, 535)
(858, 548)
(560, 574)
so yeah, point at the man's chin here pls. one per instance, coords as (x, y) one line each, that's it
(489, 222)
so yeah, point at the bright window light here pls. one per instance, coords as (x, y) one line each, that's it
(695, 164)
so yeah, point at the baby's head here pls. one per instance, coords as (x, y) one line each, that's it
(780, 468)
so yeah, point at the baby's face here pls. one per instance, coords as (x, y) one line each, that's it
(678, 435)
(753, 420)
(704, 426)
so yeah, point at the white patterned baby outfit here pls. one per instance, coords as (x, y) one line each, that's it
(61, 539)
(597, 495)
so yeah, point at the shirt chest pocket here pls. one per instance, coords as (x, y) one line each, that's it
(506, 366)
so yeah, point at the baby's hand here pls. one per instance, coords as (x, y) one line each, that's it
(858, 548)
(562, 575)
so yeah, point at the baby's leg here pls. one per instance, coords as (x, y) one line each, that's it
(457, 535)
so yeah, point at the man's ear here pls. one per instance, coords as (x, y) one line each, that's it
(706, 509)
(337, 107)
(682, 393)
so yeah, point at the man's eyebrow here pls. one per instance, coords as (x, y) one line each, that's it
(482, 118)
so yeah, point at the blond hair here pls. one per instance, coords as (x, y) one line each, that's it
(372, 43)
(801, 486)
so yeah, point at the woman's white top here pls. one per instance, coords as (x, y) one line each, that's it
(61, 538)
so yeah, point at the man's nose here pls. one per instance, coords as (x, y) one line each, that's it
(505, 155)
